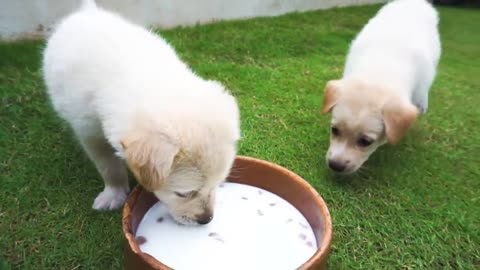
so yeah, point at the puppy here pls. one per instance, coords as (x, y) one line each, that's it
(388, 73)
(127, 96)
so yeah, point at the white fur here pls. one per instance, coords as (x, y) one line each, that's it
(112, 80)
(400, 47)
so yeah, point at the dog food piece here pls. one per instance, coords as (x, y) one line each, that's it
(244, 198)
(216, 236)
(302, 236)
(259, 212)
(141, 240)
(160, 219)
(272, 204)
(303, 225)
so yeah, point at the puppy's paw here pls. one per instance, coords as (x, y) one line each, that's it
(422, 106)
(422, 109)
(110, 198)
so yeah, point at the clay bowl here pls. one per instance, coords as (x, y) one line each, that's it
(254, 172)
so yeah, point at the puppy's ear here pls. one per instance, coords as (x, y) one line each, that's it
(150, 157)
(331, 95)
(398, 117)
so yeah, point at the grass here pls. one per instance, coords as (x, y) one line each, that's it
(414, 206)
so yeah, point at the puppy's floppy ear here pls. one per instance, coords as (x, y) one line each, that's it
(331, 95)
(398, 117)
(150, 156)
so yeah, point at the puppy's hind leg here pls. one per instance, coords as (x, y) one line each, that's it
(112, 170)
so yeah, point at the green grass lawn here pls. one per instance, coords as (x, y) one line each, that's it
(413, 206)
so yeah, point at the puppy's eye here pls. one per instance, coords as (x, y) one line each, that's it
(190, 194)
(335, 131)
(181, 195)
(364, 142)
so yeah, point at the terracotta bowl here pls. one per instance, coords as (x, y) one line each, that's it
(254, 172)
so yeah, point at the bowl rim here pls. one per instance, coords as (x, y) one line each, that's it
(319, 256)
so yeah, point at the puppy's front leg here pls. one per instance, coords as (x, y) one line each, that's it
(112, 171)
(420, 95)
(421, 101)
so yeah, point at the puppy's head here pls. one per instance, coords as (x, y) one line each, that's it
(183, 160)
(364, 117)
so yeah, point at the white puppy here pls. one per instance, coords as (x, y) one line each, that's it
(128, 96)
(387, 77)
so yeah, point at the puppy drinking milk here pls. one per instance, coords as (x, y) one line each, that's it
(385, 84)
(127, 96)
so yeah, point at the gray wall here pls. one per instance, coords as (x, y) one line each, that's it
(34, 18)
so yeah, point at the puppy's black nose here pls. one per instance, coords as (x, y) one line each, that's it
(336, 165)
(204, 219)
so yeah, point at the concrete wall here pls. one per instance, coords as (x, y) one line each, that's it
(34, 18)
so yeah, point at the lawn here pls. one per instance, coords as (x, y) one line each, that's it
(413, 206)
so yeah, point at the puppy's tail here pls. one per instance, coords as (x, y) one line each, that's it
(88, 4)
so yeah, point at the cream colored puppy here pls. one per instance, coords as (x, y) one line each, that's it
(387, 77)
(129, 97)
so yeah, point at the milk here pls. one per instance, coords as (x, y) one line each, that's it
(251, 229)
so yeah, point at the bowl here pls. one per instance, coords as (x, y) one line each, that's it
(254, 172)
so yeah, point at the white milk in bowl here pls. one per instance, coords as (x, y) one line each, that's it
(251, 229)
